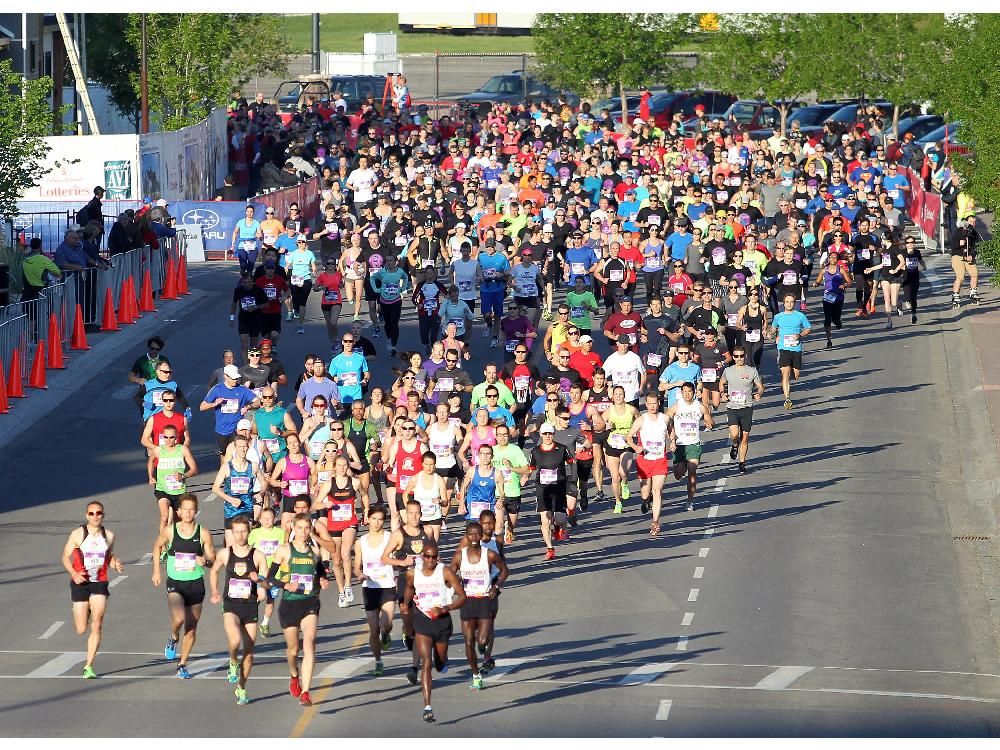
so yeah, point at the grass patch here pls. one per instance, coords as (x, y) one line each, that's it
(344, 32)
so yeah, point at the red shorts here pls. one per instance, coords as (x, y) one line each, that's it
(648, 468)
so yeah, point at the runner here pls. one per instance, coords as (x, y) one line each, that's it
(168, 466)
(834, 278)
(651, 429)
(267, 538)
(685, 417)
(292, 475)
(736, 382)
(88, 554)
(405, 455)
(712, 355)
(550, 460)
(378, 585)
(619, 418)
(625, 370)
(599, 396)
(790, 326)
(753, 325)
(234, 486)
(188, 548)
(480, 490)
(230, 401)
(337, 499)
(403, 552)
(389, 283)
(330, 284)
(240, 603)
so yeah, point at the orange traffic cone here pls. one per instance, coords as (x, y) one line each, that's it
(15, 379)
(37, 377)
(133, 300)
(170, 283)
(182, 276)
(124, 306)
(54, 356)
(78, 341)
(4, 403)
(146, 297)
(109, 322)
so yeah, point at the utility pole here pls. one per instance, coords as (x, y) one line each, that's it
(143, 83)
(315, 45)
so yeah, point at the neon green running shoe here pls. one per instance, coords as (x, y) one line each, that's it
(477, 682)
(241, 697)
(89, 673)
(234, 673)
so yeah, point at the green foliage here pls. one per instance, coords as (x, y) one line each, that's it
(110, 61)
(25, 119)
(195, 59)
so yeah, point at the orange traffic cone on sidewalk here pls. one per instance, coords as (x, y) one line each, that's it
(182, 276)
(78, 341)
(170, 282)
(146, 297)
(4, 403)
(15, 380)
(109, 321)
(124, 306)
(54, 359)
(37, 377)
(133, 300)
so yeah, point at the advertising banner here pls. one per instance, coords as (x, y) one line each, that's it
(77, 164)
(216, 219)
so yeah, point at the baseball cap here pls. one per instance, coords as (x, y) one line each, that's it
(585, 338)
(162, 203)
(243, 424)
(231, 371)
(547, 429)
(301, 238)
(526, 251)
(623, 339)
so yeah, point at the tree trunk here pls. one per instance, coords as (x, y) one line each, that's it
(895, 123)
(783, 109)
(621, 89)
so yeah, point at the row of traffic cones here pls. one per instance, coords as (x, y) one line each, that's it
(51, 357)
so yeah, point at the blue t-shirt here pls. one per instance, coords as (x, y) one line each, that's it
(628, 210)
(892, 183)
(593, 186)
(691, 373)
(389, 284)
(504, 414)
(348, 371)
(790, 325)
(230, 411)
(248, 231)
(494, 266)
(678, 244)
(576, 256)
(286, 244)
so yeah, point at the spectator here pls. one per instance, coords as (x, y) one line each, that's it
(38, 271)
(229, 190)
(70, 255)
(120, 238)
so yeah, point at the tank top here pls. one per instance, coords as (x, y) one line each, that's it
(412, 546)
(359, 439)
(492, 544)
(441, 441)
(620, 424)
(317, 441)
(754, 324)
(481, 495)
(407, 463)
(576, 419)
(170, 471)
(324, 470)
(92, 555)
(380, 423)
(687, 419)
(430, 590)
(429, 497)
(302, 572)
(653, 257)
(653, 436)
(239, 484)
(475, 575)
(601, 400)
(475, 441)
(296, 473)
(264, 421)
(341, 514)
(160, 422)
(181, 562)
(239, 587)
(381, 576)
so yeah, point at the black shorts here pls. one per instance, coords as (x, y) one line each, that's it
(81, 592)
(712, 387)
(375, 598)
(452, 472)
(743, 418)
(246, 610)
(527, 301)
(471, 303)
(512, 504)
(223, 442)
(172, 499)
(291, 612)
(616, 452)
(269, 322)
(248, 325)
(789, 359)
(551, 497)
(432, 522)
(600, 438)
(370, 294)
(288, 503)
(339, 533)
(439, 630)
(192, 592)
(476, 608)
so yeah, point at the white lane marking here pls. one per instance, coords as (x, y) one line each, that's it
(211, 496)
(503, 667)
(344, 667)
(207, 666)
(114, 582)
(693, 595)
(52, 630)
(720, 484)
(663, 712)
(713, 511)
(782, 678)
(125, 392)
(645, 673)
(703, 552)
(59, 665)
(709, 531)
(682, 643)
(699, 572)
(725, 459)
(146, 559)
(687, 620)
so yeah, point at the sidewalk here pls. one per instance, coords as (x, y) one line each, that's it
(81, 367)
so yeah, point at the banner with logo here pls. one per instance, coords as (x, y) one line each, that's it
(76, 164)
(186, 164)
(217, 220)
(118, 180)
(924, 208)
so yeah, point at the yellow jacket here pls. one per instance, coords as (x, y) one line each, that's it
(965, 205)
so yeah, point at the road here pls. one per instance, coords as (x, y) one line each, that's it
(824, 593)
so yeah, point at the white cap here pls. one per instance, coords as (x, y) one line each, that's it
(547, 427)
(585, 338)
(162, 203)
(302, 238)
(243, 424)
(547, 228)
(231, 371)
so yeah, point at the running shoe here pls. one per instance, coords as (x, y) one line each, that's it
(486, 333)
(829, 344)
(477, 682)
(182, 672)
(573, 520)
(408, 642)
(233, 675)
(386, 640)
(304, 699)
(89, 673)
(289, 315)
(428, 715)
(803, 307)
(444, 525)
(301, 330)
(690, 506)
(564, 537)
(488, 665)
(601, 497)
(376, 333)
(913, 318)
(294, 687)
(349, 595)
(644, 507)
(265, 630)
(170, 650)
(550, 554)
(411, 675)
(626, 493)
(788, 404)
(508, 536)
(379, 668)
(341, 601)
(732, 452)
(241, 696)
(618, 507)
(743, 467)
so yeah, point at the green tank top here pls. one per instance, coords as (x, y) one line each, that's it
(302, 572)
(264, 421)
(181, 564)
(171, 461)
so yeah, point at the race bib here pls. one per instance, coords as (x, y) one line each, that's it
(829, 296)
(247, 303)
(239, 485)
(687, 429)
(173, 484)
(548, 476)
(577, 269)
(404, 481)
(341, 512)
(718, 256)
(239, 588)
(298, 280)
(93, 560)
(886, 259)
(708, 375)
(298, 486)
(654, 449)
(390, 291)
(230, 406)
(349, 379)
(616, 275)
(911, 264)
(271, 292)
(331, 296)
(789, 278)
(738, 398)
(427, 263)
(445, 384)
(616, 440)
(576, 312)
(753, 336)
(865, 254)
(654, 360)
(790, 340)
(303, 581)
(893, 194)
(268, 546)
(430, 306)
(185, 562)
(273, 445)
(510, 346)
(731, 319)
(379, 573)
(476, 584)
(653, 262)
(678, 287)
(476, 507)
(465, 286)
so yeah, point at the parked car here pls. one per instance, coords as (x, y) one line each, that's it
(934, 137)
(847, 115)
(663, 106)
(810, 119)
(920, 125)
(354, 89)
(510, 88)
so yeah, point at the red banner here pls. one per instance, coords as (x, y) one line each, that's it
(305, 194)
(924, 207)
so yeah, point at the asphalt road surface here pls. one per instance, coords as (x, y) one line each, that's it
(824, 593)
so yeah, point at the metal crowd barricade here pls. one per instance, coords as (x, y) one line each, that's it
(14, 334)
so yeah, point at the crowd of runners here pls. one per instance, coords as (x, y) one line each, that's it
(624, 291)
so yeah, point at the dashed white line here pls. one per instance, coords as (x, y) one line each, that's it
(52, 630)
(709, 531)
(699, 572)
(211, 496)
(703, 552)
(115, 581)
(207, 666)
(645, 673)
(713, 511)
(693, 595)
(503, 667)
(782, 678)
(344, 667)
(725, 459)
(682, 643)
(687, 619)
(720, 484)
(59, 665)
(146, 559)
(663, 712)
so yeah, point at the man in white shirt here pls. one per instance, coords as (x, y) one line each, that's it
(624, 367)
(362, 182)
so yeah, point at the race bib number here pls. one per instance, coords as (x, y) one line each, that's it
(298, 280)
(510, 346)
(93, 560)
(708, 375)
(249, 245)
(718, 256)
(476, 585)
(893, 194)
(247, 304)
(616, 275)
(273, 445)
(341, 512)
(391, 291)
(465, 286)
(654, 360)
(654, 220)
(911, 264)
(790, 340)
(653, 262)
(427, 263)
(268, 546)
(829, 296)
(239, 485)
(789, 278)
(430, 306)
(379, 573)
(687, 429)
(298, 486)
(349, 379)
(230, 406)
(185, 562)
(753, 336)
(271, 292)
(577, 269)
(654, 449)
(738, 398)
(303, 581)
(865, 254)
(616, 440)
(239, 588)
(331, 296)
(886, 259)
(445, 384)
(404, 481)
(477, 507)
(548, 476)
(678, 287)
(731, 319)
(173, 483)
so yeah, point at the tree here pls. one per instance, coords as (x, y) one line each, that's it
(111, 61)
(592, 52)
(25, 120)
(195, 59)
(769, 56)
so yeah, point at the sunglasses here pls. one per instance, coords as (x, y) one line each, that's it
(268, 398)
(683, 354)
(452, 359)
(739, 356)
(520, 351)
(95, 512)
(169, 437)
(564, 312)
(430, 557)
(409, 429)
(492, 395)
(319, 404)
(336, 429)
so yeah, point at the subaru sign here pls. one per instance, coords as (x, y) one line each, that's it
(217, 220)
